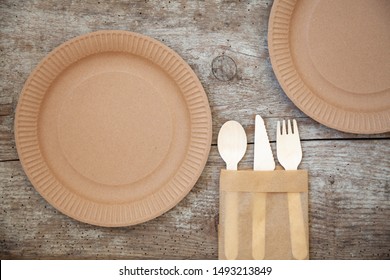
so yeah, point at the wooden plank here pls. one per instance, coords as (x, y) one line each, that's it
(349, 208)
(29, 32)
(31, 228)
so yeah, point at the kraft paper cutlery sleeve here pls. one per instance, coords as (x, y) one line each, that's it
(276, 184)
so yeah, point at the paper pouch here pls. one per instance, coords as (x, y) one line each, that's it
(263, 215)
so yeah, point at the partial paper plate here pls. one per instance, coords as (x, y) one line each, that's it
(332, 59)
(113, 128)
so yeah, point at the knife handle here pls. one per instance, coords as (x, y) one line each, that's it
(231, 225)
(258, 226)
(297, 227)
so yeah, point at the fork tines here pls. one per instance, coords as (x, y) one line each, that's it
(287, 130)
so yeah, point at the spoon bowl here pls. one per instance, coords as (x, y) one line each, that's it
(232, 143)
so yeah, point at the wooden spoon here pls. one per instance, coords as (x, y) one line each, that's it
(232, 143)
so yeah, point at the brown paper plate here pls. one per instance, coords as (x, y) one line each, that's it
(332, 58)
(113, 128)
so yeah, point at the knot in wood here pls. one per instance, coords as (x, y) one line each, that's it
(224, 68)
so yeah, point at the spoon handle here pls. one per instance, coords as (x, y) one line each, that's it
(231, 225)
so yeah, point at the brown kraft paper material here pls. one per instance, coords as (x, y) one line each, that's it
(275, 185)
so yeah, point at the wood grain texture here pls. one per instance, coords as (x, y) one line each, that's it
(348, 209)
(349, 196)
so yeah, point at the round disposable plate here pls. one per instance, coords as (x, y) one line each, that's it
(332, 58)
(113, 128)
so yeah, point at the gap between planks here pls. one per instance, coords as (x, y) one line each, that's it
(326, 139)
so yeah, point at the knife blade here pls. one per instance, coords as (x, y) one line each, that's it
(263, 160)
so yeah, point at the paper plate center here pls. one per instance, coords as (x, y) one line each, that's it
(349, 44)
(115, 128)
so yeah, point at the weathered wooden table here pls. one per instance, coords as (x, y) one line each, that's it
(349, 200)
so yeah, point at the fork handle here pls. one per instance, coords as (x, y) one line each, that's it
(297, 227)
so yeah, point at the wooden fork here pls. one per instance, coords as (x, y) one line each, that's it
(289, 153)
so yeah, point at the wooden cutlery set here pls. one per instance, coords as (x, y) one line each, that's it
(264, 211)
